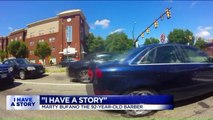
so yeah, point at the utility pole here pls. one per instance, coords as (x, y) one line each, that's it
(133, 33)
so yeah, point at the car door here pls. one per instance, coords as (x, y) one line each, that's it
(171, 74)
(161, 67)
(166, 68)
(201, 68)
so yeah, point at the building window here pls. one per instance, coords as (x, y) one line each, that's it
(52, 39)
(53, 49)
(16, 38)
(11, 40)
(32, 34)
(41, 32)
(42, 40)
(69, 33)
(52, 30)
(31, 43)
(20, 37)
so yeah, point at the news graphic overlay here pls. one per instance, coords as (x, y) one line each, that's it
(22, 102)
(111, 102)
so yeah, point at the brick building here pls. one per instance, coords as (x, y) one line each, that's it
(17, 35)
(65, 33)
(3, 43)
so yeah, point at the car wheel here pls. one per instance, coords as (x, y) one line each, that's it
(83, 76)
(139, 113)
(22, 75)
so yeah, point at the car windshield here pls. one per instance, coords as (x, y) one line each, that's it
(22, 61)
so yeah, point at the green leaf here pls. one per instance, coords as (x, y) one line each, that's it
(42, 50)
(18, 49)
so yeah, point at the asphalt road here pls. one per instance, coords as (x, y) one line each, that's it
(59, 83)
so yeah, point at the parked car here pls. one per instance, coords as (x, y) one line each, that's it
(6, 75)
(65, 62)
(180, 70)
(25, 69)
(78, 70)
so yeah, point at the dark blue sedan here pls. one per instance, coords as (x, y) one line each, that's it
(180, 70)
(6, 75)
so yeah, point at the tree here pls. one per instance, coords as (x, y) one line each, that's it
(118, 42)
(151, 41)
(18, 49)
(42, 50)
(200, 43)
(3, 55)
(94, 44)
(181, 36)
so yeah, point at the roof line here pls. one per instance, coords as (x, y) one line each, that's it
(40, 21)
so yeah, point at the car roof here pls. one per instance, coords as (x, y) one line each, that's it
(15, 59)
(157, 45)
(100, 53)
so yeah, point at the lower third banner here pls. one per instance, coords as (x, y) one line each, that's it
(111, 102)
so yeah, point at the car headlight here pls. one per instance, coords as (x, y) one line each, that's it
(30, 68)
(10, 69)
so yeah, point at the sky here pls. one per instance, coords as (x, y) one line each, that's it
(107, 17)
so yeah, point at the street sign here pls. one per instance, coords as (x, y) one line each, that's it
(162, 38)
